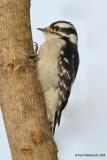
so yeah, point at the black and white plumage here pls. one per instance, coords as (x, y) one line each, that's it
(57, 67)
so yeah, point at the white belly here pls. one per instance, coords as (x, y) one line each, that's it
(48, 74)
(48, 63)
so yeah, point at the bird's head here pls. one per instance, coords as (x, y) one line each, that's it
(60, 29)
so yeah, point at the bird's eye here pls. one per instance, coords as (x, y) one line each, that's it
(56, 28)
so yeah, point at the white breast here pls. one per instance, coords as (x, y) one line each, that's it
(48, 63)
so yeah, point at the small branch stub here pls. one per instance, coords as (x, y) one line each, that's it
(38, 137)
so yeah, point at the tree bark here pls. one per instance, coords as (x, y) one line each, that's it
(21, 97)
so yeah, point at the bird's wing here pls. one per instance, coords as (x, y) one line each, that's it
(68, 66)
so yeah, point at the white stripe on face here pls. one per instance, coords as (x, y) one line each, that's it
(73, 38)
(64, 25)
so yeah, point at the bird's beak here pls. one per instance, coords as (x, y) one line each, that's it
(47, 29)
(41, 29)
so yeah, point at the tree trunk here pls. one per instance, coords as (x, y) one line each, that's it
(21, 98)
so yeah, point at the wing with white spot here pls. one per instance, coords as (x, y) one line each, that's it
(68, 66)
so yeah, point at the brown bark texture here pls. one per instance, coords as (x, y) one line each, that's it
(21, 98)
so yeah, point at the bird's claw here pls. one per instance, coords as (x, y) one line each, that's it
(35, 47)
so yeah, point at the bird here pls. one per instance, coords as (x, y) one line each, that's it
(57, 66)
